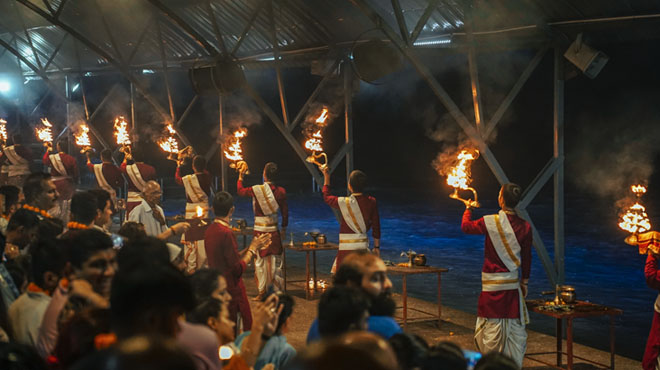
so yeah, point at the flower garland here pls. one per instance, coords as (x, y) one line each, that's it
(104, 340)
(37, 210)
(34, 288)
(72, 225)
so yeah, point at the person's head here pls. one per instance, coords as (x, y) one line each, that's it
(209, 283)
(509, 195)
(83, 207)
(342, 309)
(286, 302)
(177, 257)
(48, 262)
(11, 194)
(77, 335)
(223, 204)
(62, 145)
(335, 354)
(104, 208)
(92, 258)
(132, 230)
(371, 343)
(106, 155)
(23, 228)
(152, 192)
(148, 300)
(199, 163)
(496, 361)
(357, 181)
(141, 252)
(410, 350)
(368, 272)
(40, 191)
(270, 172)
(445, 355)
(213, 313)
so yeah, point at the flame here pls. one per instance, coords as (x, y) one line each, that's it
(314, 143)
(121, 131)
(3, 130)
(234, 151)
(635, 220)
(45, 134)
(169, 144)
(459, 176)
(200, 211)
(324, 115)
(638, 189)
(82, 137)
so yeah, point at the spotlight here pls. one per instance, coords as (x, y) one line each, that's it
(589, 60)
(5, 86)
(75, 87)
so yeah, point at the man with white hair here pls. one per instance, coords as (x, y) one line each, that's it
(151, 215)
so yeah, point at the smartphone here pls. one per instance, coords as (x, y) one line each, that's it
(472, 358)
(117, 241)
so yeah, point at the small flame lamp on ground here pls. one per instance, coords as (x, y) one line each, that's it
(636, 221)
(234, 152)
(82, 139)
(44, 133)
(315, 143)
(459, 176)
(121, 134)
(169, 144)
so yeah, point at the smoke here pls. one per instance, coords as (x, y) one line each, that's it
(332, 99)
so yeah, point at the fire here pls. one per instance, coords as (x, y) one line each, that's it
(638, 189)
(459, 176)
(635, 220)
(82, 137)
(314, 143)
(324, 115)
(200, 211)
(45, 134)
(121, 131)
(234, 151)
(169, 144)
(3, 130)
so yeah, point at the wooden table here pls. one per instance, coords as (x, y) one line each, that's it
(299, 247)
(418, 270)
(580, 309)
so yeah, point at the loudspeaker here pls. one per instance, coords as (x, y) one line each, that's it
(589, 60)
(223, 77)
(375, 59)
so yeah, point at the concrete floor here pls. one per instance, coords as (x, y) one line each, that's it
(457, 326)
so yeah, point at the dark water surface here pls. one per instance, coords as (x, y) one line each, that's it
(601, 267)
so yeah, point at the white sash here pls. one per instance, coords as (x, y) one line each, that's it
(350, 211)
(349, 242)
(194, 189)
(264, 195)
(191, 210)
(103, 183)
(56, 161)
(504, 239)
(656, 305)
(17, 165)
(133, 197)
(266, 224)
(136, 177)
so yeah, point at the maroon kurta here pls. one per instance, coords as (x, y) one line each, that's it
(222, 253)
(147, 172)
(64, 182)
(653, 343)
(368, 207)
(20, 150)
(203, 178)
(275, 246)
(503, 304)
(111, 173)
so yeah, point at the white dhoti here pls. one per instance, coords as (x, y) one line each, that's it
(507, 336)
(266, 272)
(194, 254)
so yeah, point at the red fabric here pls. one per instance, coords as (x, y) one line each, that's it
(203, 178)
(279, 192)
(222, 253)
(368, 207)
(503, 304)
(20, 150)
(70, 165)
(652, 351)
(111, 173)
(148, 173)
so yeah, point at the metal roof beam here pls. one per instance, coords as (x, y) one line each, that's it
(253, 17)
(401, 20)
(216, 28)
(278, 69)
(57, 49)
(422, 20)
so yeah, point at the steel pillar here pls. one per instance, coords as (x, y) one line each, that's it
(223, 165)
(348, 117)
(558, 153)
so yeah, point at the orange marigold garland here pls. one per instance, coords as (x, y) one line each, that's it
(37, 210)
(76, 226)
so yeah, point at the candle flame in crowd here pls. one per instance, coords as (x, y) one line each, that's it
(234, 151)
(459, 176)
(44, 133)
(3, 130)
(200, 211)
(121, 131)
(169, 143)
(82, 137)
(635, 220)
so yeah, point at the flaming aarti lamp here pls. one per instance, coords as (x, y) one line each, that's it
(637, 222)
(82, 139)
(315, 142)
(121, 134)
(459, 177)
(45, 134)
(169, 144)
(3, 132)
(234, 151)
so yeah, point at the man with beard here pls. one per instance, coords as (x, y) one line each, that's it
(151, 215)
(364, 270)
(93, 265)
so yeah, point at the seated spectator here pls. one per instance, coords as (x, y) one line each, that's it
(22, 229)
(104, 210)
(83, 213)
(27, 311)
(276, 350)
(344, 354)
(368, 273)
(371, 343)
(92, 259)
(209, 283)
(445, 355)
(410, 350)
(132, 230)
(342, 309)
(141, 252)
(496, 361)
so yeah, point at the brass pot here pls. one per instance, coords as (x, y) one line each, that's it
(419, 260)
(567, 294)
(320, 239)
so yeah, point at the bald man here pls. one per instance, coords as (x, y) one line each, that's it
(151, 215)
